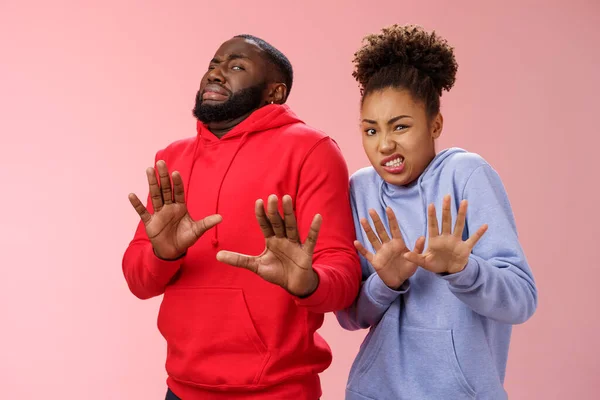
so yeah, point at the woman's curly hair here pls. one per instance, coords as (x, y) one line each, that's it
(406, 57)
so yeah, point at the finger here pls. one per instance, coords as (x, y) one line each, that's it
(373, 239)
(432, 221)
(363, 251)
(263, 221)
(206, 223)
(446, 215)
(289, 219)
(394, 226)
(313, 234)
(414, 258)
(155, 195)
(381, 231)
(275, 217)
(419, 245)
(178, 192)
(139, 207)
(165, 182)
(238, 260)
(459, 227)
(472, 241)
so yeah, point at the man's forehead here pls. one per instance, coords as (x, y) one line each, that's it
(239, 48)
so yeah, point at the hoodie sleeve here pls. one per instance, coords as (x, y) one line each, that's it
(373, 301)
(497, 281)
(147, 275)
(374, 298)
(323, 189)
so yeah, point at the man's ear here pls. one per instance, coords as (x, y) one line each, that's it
(277, 93)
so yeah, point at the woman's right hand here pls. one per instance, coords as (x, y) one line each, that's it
(388, 260)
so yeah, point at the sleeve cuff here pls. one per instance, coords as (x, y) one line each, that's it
(162, 270)
(381, 293)
(465, 278)
(321, 294)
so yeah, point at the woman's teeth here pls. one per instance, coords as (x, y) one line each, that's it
(395, 162)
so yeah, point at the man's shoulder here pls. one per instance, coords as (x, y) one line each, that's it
(178, 147)
(301, 132)
(306, 140)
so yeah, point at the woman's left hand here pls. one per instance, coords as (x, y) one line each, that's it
(446, 253)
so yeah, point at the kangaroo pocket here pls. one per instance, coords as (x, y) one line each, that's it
(211, 339)
(410, 363)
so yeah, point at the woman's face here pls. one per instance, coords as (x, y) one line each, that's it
(398, 136)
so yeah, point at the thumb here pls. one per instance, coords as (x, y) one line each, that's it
(206, 223)
(419, 245)
(472, 241)
(414, 258)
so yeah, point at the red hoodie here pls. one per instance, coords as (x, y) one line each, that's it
(230, 334)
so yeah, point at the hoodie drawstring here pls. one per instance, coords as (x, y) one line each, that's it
(215, 238)
(189, 179)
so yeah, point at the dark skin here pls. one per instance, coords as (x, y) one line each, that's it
(286, 260)
(239, 64)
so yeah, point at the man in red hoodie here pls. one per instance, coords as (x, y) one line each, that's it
(240, 326)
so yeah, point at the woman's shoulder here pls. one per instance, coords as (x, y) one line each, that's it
(461, 163)
(364, 177)
(462, 158)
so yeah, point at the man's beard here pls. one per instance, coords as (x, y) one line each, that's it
(239, 104)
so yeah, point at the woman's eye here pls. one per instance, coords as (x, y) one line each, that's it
(401, 127)
(370, 132)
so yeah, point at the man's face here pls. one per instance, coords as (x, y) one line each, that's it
(235, 83)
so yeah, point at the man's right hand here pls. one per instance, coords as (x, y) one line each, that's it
(170, 229)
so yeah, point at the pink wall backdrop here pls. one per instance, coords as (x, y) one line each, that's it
(89, 92)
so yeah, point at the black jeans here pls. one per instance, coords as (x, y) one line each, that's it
(171, 396)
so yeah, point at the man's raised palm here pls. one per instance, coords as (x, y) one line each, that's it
(170, 228)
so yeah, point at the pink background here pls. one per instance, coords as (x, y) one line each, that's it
(90, 92)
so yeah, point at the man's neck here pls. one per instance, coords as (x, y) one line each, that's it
(221, 128)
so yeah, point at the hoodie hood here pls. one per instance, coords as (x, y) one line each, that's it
(437, 163)
(390, 193)
(272, 116)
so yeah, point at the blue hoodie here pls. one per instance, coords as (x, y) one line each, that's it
(440, 337)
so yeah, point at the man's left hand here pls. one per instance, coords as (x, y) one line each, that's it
(286, 261)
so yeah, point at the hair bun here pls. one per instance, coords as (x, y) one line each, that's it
(407, 46)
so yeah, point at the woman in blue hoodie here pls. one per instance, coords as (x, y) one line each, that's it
(441, 291)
